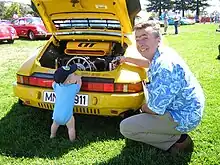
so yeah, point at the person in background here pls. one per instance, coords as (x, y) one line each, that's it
(15, 16)
(165, 20)
(66, 85)
(176, 21)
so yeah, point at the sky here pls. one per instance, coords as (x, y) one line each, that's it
(213, 2)
(215, 5)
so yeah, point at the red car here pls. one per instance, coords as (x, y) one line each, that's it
(30, 27)
(7, 33)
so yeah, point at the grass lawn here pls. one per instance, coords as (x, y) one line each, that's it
(24, 131)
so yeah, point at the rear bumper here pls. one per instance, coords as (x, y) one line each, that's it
(105, 104)
(42, 35)
(15, 37)
(9, 38)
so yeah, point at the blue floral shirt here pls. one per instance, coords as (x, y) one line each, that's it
(174, 89)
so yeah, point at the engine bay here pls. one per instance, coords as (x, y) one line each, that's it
(88, 56)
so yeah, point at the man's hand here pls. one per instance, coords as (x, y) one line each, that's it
(122, 59)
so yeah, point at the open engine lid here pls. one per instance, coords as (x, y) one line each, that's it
(94, 15)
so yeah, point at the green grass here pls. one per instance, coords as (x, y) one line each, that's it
(24, 131)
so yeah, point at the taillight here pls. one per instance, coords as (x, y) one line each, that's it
(40, 82)
(34, 81)
(112, 87)
(128, 87)
(97, 87)
(107, 87)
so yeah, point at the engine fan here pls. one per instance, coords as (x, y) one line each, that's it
(83, 63)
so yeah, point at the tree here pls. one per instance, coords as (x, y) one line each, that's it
(26, 9)
(14, 8)
(197, 5)
(2, 9)
(158, 5)
(182, 5)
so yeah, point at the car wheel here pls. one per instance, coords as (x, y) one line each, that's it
(20, 102)
(130, 113)
(31, 35)
(10, 41)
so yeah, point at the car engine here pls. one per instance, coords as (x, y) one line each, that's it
(86, 63)
(87, 56)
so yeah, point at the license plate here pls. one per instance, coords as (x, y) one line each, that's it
(80, 99)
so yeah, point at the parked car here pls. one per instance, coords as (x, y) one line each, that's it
(30, 27)
(187, 21)
(7, 33)
(93, 37)
(5, 22)
(183, 21)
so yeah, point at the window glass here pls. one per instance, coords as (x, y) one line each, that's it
(22, 22)
(29, 21)
(15, 22)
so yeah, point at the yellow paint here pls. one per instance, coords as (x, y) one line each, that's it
(125, 73)
(56, 9)
(104, 47)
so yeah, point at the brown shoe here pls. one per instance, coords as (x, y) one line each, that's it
(185, 146)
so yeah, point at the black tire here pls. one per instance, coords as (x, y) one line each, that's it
(20, 102)
(31, 35)
(10, 41)
(130, 113)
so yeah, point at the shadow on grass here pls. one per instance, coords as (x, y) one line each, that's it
(5, 42)
(143, 154)
(24, 132)
(36, 39)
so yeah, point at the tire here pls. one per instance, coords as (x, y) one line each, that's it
(20, 102)
(10, 41)
(129, 113)
(31, 35)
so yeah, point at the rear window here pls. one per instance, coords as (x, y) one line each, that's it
(37, 21)
(87, 24)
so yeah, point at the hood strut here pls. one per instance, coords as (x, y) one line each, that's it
(117, 10)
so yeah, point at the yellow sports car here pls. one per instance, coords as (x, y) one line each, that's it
(92, 34)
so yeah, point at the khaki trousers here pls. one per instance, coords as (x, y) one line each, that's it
(156, 130)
